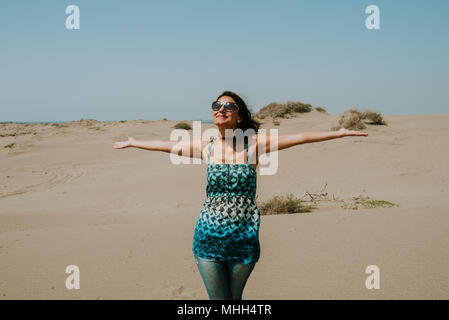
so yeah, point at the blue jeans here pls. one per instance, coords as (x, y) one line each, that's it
(224, 280)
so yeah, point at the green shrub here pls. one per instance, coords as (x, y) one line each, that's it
(182, 125)
(350, 120)
(297, 107)
(274, 110)
(283, 110)
(321, 109)
(366, 203)
(282, 205)
(353, 110)
(374, 117)
(354, 119)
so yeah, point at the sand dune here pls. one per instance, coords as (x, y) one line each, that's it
(126, 217)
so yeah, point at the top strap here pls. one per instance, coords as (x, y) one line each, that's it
(208, 152)
(247, 149)
(212, 141)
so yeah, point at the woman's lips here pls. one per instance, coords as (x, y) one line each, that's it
(221, 117)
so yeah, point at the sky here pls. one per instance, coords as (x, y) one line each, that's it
(171, 59)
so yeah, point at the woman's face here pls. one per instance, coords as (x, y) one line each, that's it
(226, 118)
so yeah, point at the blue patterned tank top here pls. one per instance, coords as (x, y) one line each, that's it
(228, 224)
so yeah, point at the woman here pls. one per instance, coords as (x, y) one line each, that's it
(226, 238)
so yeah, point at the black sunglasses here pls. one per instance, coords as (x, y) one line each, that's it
(216, 105)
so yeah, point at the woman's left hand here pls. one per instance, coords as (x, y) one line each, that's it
(346, 132)
(124, 144)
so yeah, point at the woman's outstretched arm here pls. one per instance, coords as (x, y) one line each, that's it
(285, 141)
(192, 149)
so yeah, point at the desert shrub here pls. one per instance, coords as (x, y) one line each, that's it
(350, 120)
(182, 125)
(60, 125)
(283, 110)
(321, 109)
(354, 119)
(15, 134)
(374, 117)
(88, 122)
(96, 128)
(297, 107)
(275, 110)
(11, 145)
(282, 205)
(365, 202)
(353, 110)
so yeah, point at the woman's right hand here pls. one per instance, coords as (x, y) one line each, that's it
(124, 144)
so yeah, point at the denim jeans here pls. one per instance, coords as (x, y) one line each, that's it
(224, 280)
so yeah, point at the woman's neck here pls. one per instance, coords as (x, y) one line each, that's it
(222, 134)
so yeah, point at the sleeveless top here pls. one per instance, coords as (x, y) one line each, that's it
(228, 224)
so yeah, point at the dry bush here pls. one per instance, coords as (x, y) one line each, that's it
(297, 107)
(350, 120)
(182, 125)
(283, 110)
(354, 119)
(60, 125)
(88, 122)
(11, 145)
(320, 109)
(374, 117)
(274, 110)
(365, 202)
(283, 204)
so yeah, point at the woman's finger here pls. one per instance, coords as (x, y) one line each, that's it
(348, 132)
(360, 133)
(119, 145)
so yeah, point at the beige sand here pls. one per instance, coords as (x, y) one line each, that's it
(126, 217)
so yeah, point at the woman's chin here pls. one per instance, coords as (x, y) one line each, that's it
(221, 120)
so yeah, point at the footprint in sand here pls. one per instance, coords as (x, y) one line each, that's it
(44, 180)
(173, 291)
(113, 221)
(178, 291)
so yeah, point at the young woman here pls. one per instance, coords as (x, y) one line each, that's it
(226, 238)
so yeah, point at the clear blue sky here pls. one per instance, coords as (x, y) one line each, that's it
(156, 59)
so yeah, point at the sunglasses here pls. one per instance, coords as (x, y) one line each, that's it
(216, 105)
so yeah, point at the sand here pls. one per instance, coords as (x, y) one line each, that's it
(126, 217)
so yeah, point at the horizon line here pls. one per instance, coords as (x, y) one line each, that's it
(162, 119)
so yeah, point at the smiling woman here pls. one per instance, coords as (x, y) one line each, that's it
(226, 237)
(231, 112)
